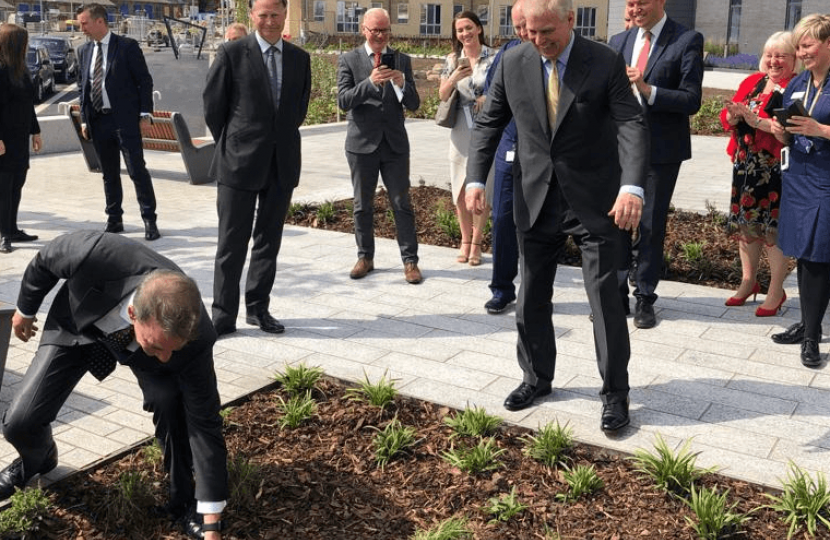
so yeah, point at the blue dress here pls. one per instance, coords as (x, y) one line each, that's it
(804, 223)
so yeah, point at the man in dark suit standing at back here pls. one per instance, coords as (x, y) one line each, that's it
(116, 95)
(375, 95)
(121, 301)
(582, 152)
(255, 99)
(665, 62)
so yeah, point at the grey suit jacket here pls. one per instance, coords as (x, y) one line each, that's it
(374, 113)
(241, 116)
(600, 141)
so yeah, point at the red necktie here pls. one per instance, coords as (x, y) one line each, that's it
(377, 60)
(642, 60)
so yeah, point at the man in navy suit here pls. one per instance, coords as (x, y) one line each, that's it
(255, 99)
(665, 62)
(116, 95)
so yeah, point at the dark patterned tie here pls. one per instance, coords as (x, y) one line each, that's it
(104, 353)
(98, 79)
(274, 74)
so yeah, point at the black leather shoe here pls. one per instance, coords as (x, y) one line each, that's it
(21, 236)
(266, 322)
(644, 315)
(496, 305)
(14, 477)
(151, 232)
(523, 396)
(792, 335)
(615, 415)
(6, 245)
(810, 356)
(114, 227)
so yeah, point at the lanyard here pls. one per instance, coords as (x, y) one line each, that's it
(810, 85)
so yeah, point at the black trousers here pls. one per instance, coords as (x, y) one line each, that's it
(243, 215)
(111, 141)
(814, 292)
(539, 251)
(393, 168)
(11, 188)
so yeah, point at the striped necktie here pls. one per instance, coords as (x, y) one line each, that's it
(98, 78)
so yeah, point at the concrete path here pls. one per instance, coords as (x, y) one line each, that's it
(706, 371)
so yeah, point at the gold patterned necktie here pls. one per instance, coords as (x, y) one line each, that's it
(553, 94)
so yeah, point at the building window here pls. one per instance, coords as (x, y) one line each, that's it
(456, 9)
(431, 19)
(403, 13)
(484, 15)
(347, 17)
(733, 31)
(375, 5)
(319, 10)
(586, 22)
(505, 21)
(793, 13)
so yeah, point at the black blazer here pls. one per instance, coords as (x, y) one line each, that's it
(675, 67)
(18, 120)
(241, 117)
(600, 141)
(100, 269)
(127, 80)
(374, 113)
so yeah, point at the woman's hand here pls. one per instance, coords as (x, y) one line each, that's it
(736, 112)
(807, 126)
(479, 104)
(778, 131)
(37, 142)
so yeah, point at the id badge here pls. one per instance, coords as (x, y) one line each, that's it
(509, 156)
(785, 158)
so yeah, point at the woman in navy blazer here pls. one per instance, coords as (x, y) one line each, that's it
(18, 122)
(804, 224)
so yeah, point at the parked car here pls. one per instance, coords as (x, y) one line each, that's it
(64, 61)
(157, 37)
(43, 75)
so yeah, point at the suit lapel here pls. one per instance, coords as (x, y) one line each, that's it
(534, 73)
(256, 64)
(628, 46)
(112, 50)
(575, 73)
(666, 37)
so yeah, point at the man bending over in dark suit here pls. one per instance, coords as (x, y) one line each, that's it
(665, 62)
(375, 96)
(582, 152)
(121, 301)
(116, 94)
(256, 99)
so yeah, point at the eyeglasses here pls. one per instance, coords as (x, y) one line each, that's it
(378, 31)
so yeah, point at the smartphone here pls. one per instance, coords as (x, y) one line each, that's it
(796, 108)
(463, 62)
(388, 60)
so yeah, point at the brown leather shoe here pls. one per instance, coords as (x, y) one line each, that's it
(411, 272)
(362, 267)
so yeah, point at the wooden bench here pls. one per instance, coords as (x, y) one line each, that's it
(168, 133)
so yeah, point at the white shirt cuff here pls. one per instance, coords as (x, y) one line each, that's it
(653, 95)
(210, 507)
(24, 315)
(474, 185)
(634, 190)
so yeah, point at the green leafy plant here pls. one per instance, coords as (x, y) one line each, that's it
(707, 119)
(379, 394)
(298, 209)
(692, 251)
(454, 528)
(325, 213)
(714, 519)
(132, 495)
(244, 481)
(473, 422)
(299, 379)
(390, 216)
(153, 453)
(296, 410)
(447, 220)
(322, 107)
(671, 472)
(550, 445)
(24, 515)
(392, 441)
(505, 507)
(803, 501)
(479, 458)
(582, 480)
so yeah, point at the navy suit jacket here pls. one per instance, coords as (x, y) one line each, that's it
(240, 114)
(127, 80)
(675, 67)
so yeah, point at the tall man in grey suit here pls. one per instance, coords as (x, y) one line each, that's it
(665, 62)
(256, 99)
(582, 152)
(375, 95)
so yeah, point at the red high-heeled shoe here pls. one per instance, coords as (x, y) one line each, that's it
(762, 312)
(739, 301)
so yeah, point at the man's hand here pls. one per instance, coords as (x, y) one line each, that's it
(397, 78)
(474, 199)
(635, 76)
(84, 132)
(37, 142)
(24, 328)
(627, 211)
(382, 74)
(2, 148)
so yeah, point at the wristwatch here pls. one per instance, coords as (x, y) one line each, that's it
(212, 527)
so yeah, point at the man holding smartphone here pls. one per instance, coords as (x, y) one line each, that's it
(374, 85)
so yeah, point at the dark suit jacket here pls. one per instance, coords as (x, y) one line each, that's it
(600, 141)
(374, 113)
(128, 83)
(675, 67)
(100, 269)
(240, 114)
(18, 120)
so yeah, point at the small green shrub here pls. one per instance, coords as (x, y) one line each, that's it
(505, 507)
(153, 453)
(296, 410)
(379, 394)
(714, 519)
(803, 501)
(473, 422)
(454, 528)
(582, 480)
(132, 497)
(692, 251)
(479, 458)
(550, 445)
(27, 510)
(707, 119)
(447, 220)
(244, 481)
(392, 441)
(325, 213)
(300, 379)
(671, 472)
